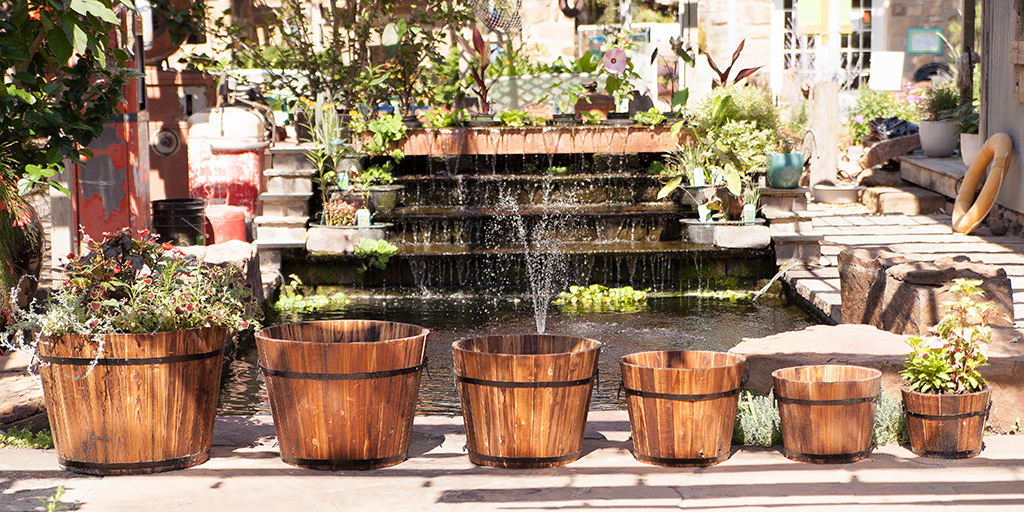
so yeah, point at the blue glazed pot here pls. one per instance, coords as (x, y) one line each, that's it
(784, 169)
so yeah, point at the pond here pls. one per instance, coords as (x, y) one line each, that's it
(688, 322)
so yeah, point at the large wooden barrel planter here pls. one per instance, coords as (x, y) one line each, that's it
(343, 392)
(682, 405)
(827, 412)
(947, 426)
(137, 403)
(525, 397)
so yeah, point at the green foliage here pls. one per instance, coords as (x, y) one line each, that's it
(326, 129)
(293, 301)
(51, 502)
(746, 142)
(949, 362)
(737, 103)
(181, 23)
(409, 47)
(376, 252)
(940, 102)
(136, 285)
(64, 78)
(24, 438)
(386, 131)
(514, 60)
(379, 174)
(443, 117)
(590, 118)
(517, 119)
(757, 421)
(445, 86)
(602, 299)
(890, 421)
(651, 117)
(557, 169)
(873, 104)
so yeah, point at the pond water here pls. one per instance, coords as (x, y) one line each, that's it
(670, 323)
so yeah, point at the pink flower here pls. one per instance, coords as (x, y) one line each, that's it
(859, 118)
(614, 60)
(936, 343)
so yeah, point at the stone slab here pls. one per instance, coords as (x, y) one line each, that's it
(742, 237)
(864, 345)
(907, 200)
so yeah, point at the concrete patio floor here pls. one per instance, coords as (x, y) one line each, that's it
(245, 473)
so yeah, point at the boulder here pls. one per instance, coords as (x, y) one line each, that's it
(862, 281)
(21, 394)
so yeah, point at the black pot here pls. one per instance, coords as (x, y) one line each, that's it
(617, 119)
(481, 121)
(563, 120)
(412, 122)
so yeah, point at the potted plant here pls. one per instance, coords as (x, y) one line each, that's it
(938, 131)
(344, 225)
(784, 167)
(130, 340)
(565, 107)
(479, 56)
(443, 117)
(518, 119)
(946, 398)
(409, 48)
(966, 116)
(376, 181)
(619, 71)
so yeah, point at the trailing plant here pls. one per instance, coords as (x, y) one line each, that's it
(757, 421)
(651, 117)
(517, 119)
(597, 298)
(949, 361)
(24, 438)
(136, 285)
(339, 213)
(375, 252)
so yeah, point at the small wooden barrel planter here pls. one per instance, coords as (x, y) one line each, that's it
(343, 392)
(138, 403)
(525, 397)
(947, 426)
(682, 405)
(827, 411)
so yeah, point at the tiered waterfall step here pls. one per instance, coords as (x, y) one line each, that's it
(794, 238)
(495, 189)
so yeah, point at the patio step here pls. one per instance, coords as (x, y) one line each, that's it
(906, 200)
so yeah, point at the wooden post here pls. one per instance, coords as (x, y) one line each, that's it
(823, 128)
(965, 75)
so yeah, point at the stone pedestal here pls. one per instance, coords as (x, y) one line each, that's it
(785, 199)
(904, 294)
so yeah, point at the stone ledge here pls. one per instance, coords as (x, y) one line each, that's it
(867, 346)
(942, 175)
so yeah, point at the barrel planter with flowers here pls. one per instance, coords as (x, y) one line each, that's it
(343, 392)
(131, 352)
(525, 397)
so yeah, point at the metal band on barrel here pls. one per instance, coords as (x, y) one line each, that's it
(341, 376)
(130, 361)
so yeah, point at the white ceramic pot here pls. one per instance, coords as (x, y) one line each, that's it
(970, 145)
(938, 138)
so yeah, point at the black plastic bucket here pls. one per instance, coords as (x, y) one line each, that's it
(179, 221)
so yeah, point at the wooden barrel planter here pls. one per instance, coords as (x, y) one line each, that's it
(343, 392)
(525, 397)
(138, 403)
(947, 426)
(827, 412)
(682, 405)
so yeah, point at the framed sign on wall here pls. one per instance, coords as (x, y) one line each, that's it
(924, 41)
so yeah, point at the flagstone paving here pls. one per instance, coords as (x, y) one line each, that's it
(246, 474)
(930, 235)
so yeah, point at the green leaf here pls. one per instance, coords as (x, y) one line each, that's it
(94, 8)
(676, 128)
(669, 187)
(21, 95)
(680, 98)
(59, 44)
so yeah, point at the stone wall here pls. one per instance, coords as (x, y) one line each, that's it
(753, 19)
(906, 14)
(547, 32)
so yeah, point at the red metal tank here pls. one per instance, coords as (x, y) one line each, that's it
(225, 157)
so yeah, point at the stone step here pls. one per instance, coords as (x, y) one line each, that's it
(785, 199)
(288, 183)
(783, 222)
(941, 175)
(907, 200)
(289, 158)
(797, 248)
(286, 205)
(280, 229)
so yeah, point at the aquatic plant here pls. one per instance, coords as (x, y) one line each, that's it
(597, 298)
(375, 252)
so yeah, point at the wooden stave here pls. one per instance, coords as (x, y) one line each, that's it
(838, 427)
(121, 431)
(321, 433)
(681, 431)
(492, 434)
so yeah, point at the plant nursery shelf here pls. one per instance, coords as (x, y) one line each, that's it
(542, 140)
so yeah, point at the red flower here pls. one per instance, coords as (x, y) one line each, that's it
(167, 246)
(143, 232)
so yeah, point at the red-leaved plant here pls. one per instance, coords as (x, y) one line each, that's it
(723, 76)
